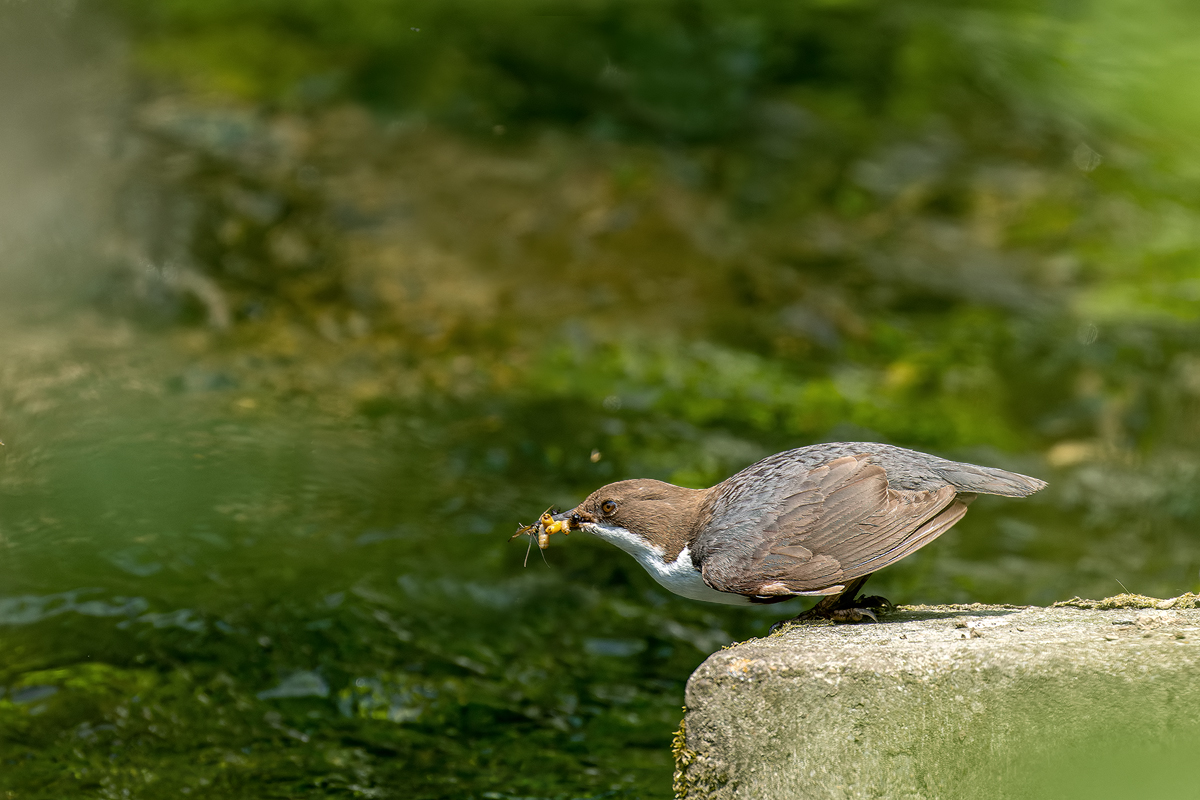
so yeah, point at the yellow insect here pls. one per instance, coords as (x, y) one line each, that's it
(541, 530)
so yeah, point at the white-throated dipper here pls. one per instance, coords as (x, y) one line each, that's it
(816, 520)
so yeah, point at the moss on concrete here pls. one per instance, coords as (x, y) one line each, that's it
(1188, 600)
(683, 756)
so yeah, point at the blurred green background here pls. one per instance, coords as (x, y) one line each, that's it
(305, 305)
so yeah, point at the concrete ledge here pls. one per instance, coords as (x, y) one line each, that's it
(1086, 699)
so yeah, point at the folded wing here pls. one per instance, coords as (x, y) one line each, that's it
(821, 529)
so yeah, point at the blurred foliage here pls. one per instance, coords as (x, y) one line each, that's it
(689, 70)
(404, 273)
(908, 192)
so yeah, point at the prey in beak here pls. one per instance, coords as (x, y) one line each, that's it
(549, 523)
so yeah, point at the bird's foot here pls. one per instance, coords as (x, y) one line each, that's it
(851, 615)
(880, 605)
(860, 610)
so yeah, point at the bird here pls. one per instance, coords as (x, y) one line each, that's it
(815, 521)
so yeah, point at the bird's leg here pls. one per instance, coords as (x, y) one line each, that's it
(844, 607)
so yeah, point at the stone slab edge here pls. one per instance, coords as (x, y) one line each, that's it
(928, 640)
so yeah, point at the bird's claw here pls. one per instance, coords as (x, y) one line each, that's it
(863, 609)
(836, 615)
(852, 615)
(778, 626)
(875, 603)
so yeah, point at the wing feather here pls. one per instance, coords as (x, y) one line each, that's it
(832, 524)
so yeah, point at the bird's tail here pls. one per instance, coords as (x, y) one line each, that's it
(989, 480)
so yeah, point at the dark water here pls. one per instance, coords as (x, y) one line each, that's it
(210, 591)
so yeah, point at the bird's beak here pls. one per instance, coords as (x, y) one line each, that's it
(563, 522)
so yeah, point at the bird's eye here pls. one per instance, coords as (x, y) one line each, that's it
(608, 506)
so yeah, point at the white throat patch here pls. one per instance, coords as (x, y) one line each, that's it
(679, 576)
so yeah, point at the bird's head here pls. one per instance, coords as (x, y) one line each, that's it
(638, 515)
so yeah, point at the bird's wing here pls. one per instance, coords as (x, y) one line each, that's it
(821, 529)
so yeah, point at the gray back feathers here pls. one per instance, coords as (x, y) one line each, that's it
(906, 469)
(808, 521)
